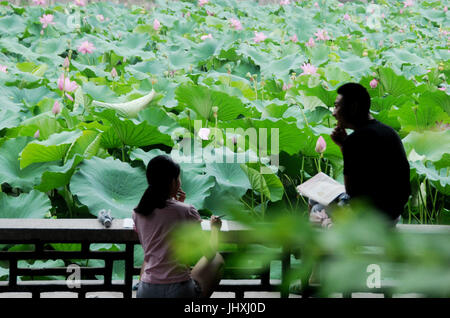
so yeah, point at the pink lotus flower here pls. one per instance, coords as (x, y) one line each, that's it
(114, 72)
(322, 35)
(156, 24)
(316, 4)
(86, 47)
(46, 19)
(201, 3)
(209, 13)
(100, 17)
(311, 43)
(188, 14)
(259, 36)
(236, 24)
(308, 69)
(401, 11)
(203, 133)
(204, 37)
(66, 62)
(39, 2)
(442, 88)
(445, 9)
(382, 15)
(56, 108)
(36, 134)
(373, 83)
(321, 145)
(64, 84)
(340, 4)
(80, 3)
(294, 38)
(284, 2)
(408, 3)
(346, 17)
(3, 68)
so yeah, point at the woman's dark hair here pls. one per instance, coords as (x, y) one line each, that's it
(356, 102)
(161, 171)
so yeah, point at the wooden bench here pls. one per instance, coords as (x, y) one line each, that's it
(40, 232)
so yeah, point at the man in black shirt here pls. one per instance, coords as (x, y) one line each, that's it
(375, 163)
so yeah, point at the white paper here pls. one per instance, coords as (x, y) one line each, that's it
(206, 225)
(321, 188)
(128, 223)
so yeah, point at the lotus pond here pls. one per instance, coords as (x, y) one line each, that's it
(90, 92)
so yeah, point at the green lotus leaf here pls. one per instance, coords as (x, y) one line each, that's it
(58, 176)
(11, 172)
(27, 205)
(202, 99)
(421, 117)
(9, 118)
(108, 184)
(281, 68)
(394, 84)
(158, 117)
(355, 66)
(101, 93)
(431, 144)
(49, 47)
(229, 176)
(46, 123)
(127, 132)
(319, 55)
(54, 148)
(438, 177)
(223, 199)
(12, 24)
(438, 98)
(287, 132)
(267, 184)
(197, 187)
(87, 145)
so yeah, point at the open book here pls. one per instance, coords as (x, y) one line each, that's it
(321, 188)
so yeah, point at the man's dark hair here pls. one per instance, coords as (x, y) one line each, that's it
(355, 102)
(161, 171)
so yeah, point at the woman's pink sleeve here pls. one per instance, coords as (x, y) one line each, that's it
(193, 214)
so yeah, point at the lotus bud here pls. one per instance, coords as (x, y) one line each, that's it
(114, 72)
(321, 145)
(234, 139)
(36, 134)
(215, 109)
(373, 83)
(56, 108)
(66, 63)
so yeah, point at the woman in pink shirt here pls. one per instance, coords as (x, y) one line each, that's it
(160, 209)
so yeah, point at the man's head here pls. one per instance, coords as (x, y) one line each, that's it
(352, 105)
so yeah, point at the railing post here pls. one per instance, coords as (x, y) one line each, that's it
(129, 266)
(285, 267)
